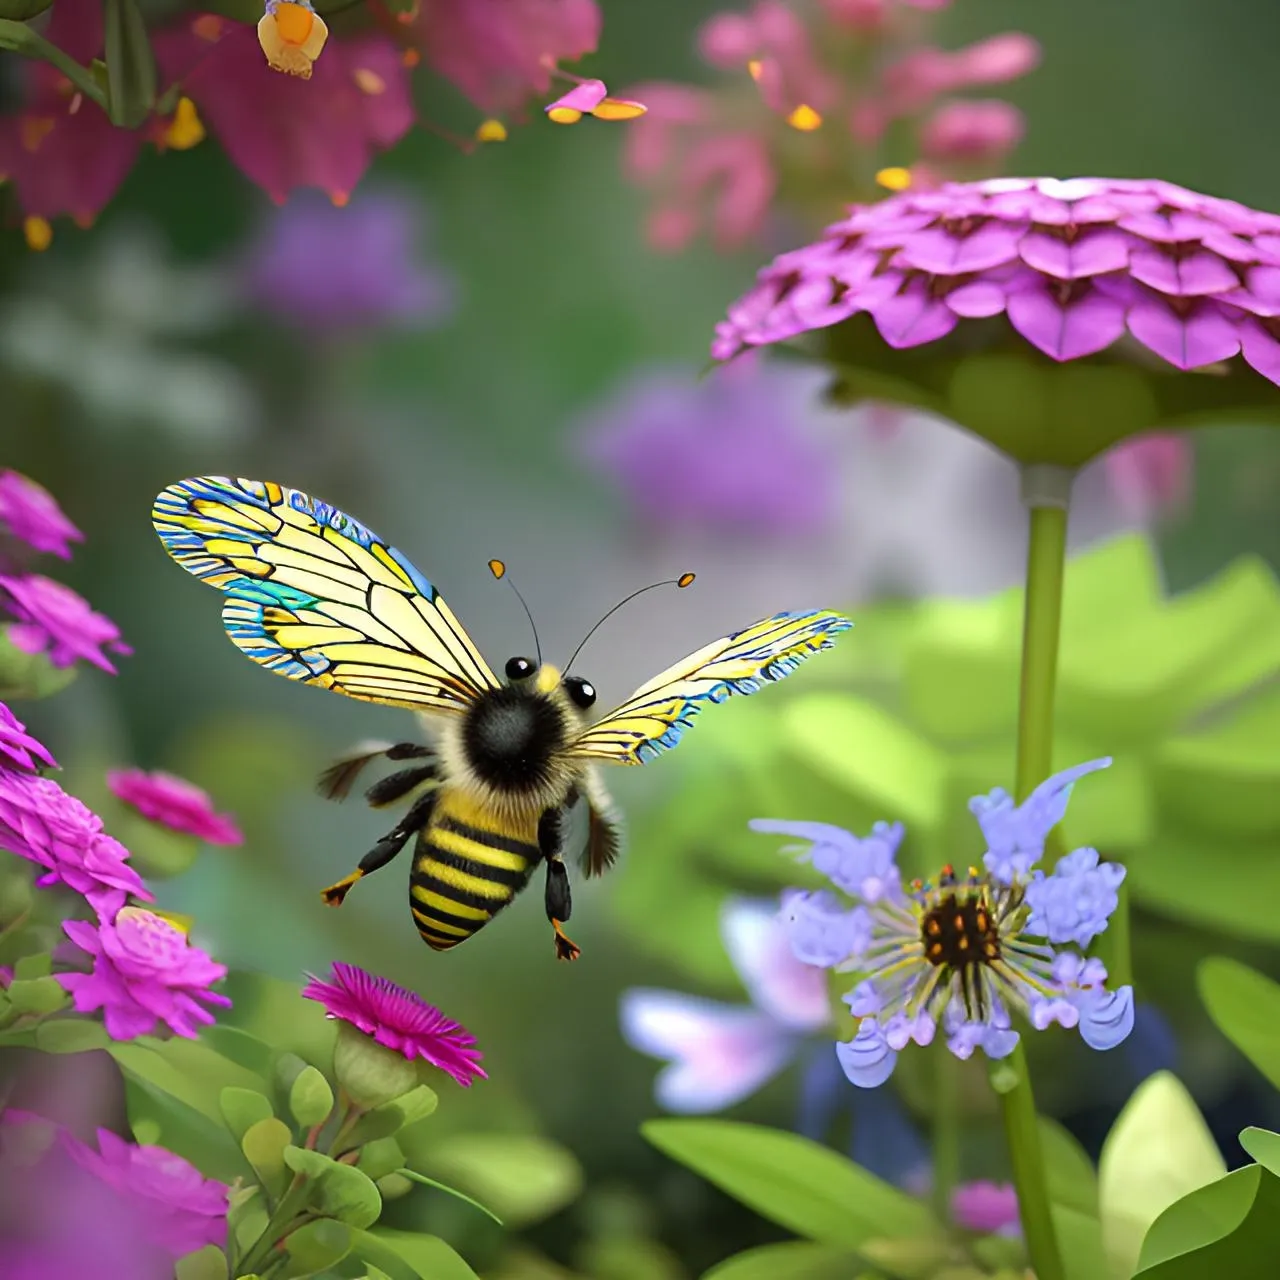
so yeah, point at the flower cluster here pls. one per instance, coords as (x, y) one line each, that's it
(291, 106)
(817, 89)
(964, 953)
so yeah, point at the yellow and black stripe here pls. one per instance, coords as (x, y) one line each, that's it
(467, 866)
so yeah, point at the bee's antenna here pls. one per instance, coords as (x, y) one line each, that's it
(684, 580)
(499, 570)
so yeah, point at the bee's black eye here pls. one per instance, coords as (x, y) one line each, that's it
(520, 668)
(582, 693)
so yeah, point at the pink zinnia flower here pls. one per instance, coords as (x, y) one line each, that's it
(1072, 265)
(34, 517)
(972, 131)
(53, 619)
(182, 1210)
(145, 971)
(60, 152)
(398, 1019)
(1151, 475)
(18, 744)
(284, 132)
(499, 52)
(42, 823)
(989, 1207)
(174, 803)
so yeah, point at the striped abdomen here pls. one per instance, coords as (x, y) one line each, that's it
(467, 866)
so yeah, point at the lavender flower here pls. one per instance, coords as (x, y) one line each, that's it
(33, 516)
(53, 619)
(145, 971)
(341, 270)
(967, 953)
(1072, 265)
(39, 821)
(719, 1053)
(174, 803)
(732, 453)
(19, 745)
(397, 1019)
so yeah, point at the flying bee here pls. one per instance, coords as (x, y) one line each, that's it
(317, 597)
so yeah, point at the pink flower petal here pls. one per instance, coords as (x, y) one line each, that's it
(913, 318)
(1197, 273)
(1091, 254)
(583, 97)
(1203, 336)
(1081, 328)
(938, 251)
(791, 993)
(977, 300)
(1260, 349)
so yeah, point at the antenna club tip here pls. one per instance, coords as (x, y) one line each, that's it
(685, 579)
(497, 567)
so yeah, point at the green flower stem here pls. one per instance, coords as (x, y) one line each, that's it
(289, 1214)
(946, 1130)
(1046, 491)
(17, 37)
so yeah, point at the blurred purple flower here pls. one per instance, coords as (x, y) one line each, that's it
(183, 1211)
(53, 619)
(1073, 265)
(174, 803)
(398, 1019)
(144, 971)
(1076, 901)
(1151, 475)
(729, 454)
(19, 745)
(34, 517)
(343, 270)
(719, 1053)
(988, 1207)
(39, 821)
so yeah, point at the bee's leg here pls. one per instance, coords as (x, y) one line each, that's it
(336, 781)
(558, 900)
(395, 786)
(386, 849)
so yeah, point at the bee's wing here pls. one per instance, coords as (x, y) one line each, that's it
(317, 597)
(654, 717)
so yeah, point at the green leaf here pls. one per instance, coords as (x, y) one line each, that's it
(391, 1117)
(28, 675)
(209, 1263)
(792, 1181)
(794, 1260)
(242, 1048)
(265, 1144)
(1159, 1150)
(318, 1245)
(131, 66)
(242, 1109)
(523, 1177)
(380, 1157)
(1263, 1146)
(338, 1190)
(188, 1070)
(310, 1098)
(1073, 1182)
(402, 1253)
(1080, 1241)
(71, 1035)
(861, 747)
(30, 967)
(1245, 1006)
(1208, 1215)
(422, 1178)
(37, 995)
(159, 1119)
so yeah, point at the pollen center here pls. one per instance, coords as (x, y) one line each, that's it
(294, 23)
(959, 931)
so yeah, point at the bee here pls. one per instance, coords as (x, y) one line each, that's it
(315, 596)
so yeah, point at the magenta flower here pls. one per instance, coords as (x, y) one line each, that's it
(19, 745)
(981, 132)
(499, 52)
(342, 271)
(988, 1207)
(174, 803)
(145, 971)
(1151, 475)
(282, 131)
(183, 1211)
(60, 152)
(53, 619)
(1073, 267)
(42, 823)
(397, 1019)
(732, 454)
(33, 516)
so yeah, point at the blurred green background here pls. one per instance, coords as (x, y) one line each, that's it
(459, 444)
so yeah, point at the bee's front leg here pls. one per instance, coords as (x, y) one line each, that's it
(386, 849)
(558, 899)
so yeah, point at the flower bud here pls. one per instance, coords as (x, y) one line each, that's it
(370, 1072)
(310, 1098)
(131, 65)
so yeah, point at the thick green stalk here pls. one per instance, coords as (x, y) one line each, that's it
(1046, 492)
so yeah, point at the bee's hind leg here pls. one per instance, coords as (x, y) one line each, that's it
(558, 900)
(382, 852)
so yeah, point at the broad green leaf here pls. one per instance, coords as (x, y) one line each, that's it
(209, 1263)
(336, 1190)
(421, 1178)
(792, 1181)
(1159, 1150)
(1263, 1146)
(1246, 1008)
(1207, 1215)
(189, 1070)
(71, 1035)
(1080, 1240)
(794, 1260)
(1073, 1182)
(522, 1177)
(159, 1119)
(247, 1050)
(406, 1254)
(861, 747)
(273, 1011)
(242, 1109)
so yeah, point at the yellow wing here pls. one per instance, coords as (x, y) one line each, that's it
(653, 719)
(319, 598)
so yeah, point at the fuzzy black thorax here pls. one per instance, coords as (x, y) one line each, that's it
(511, 736)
